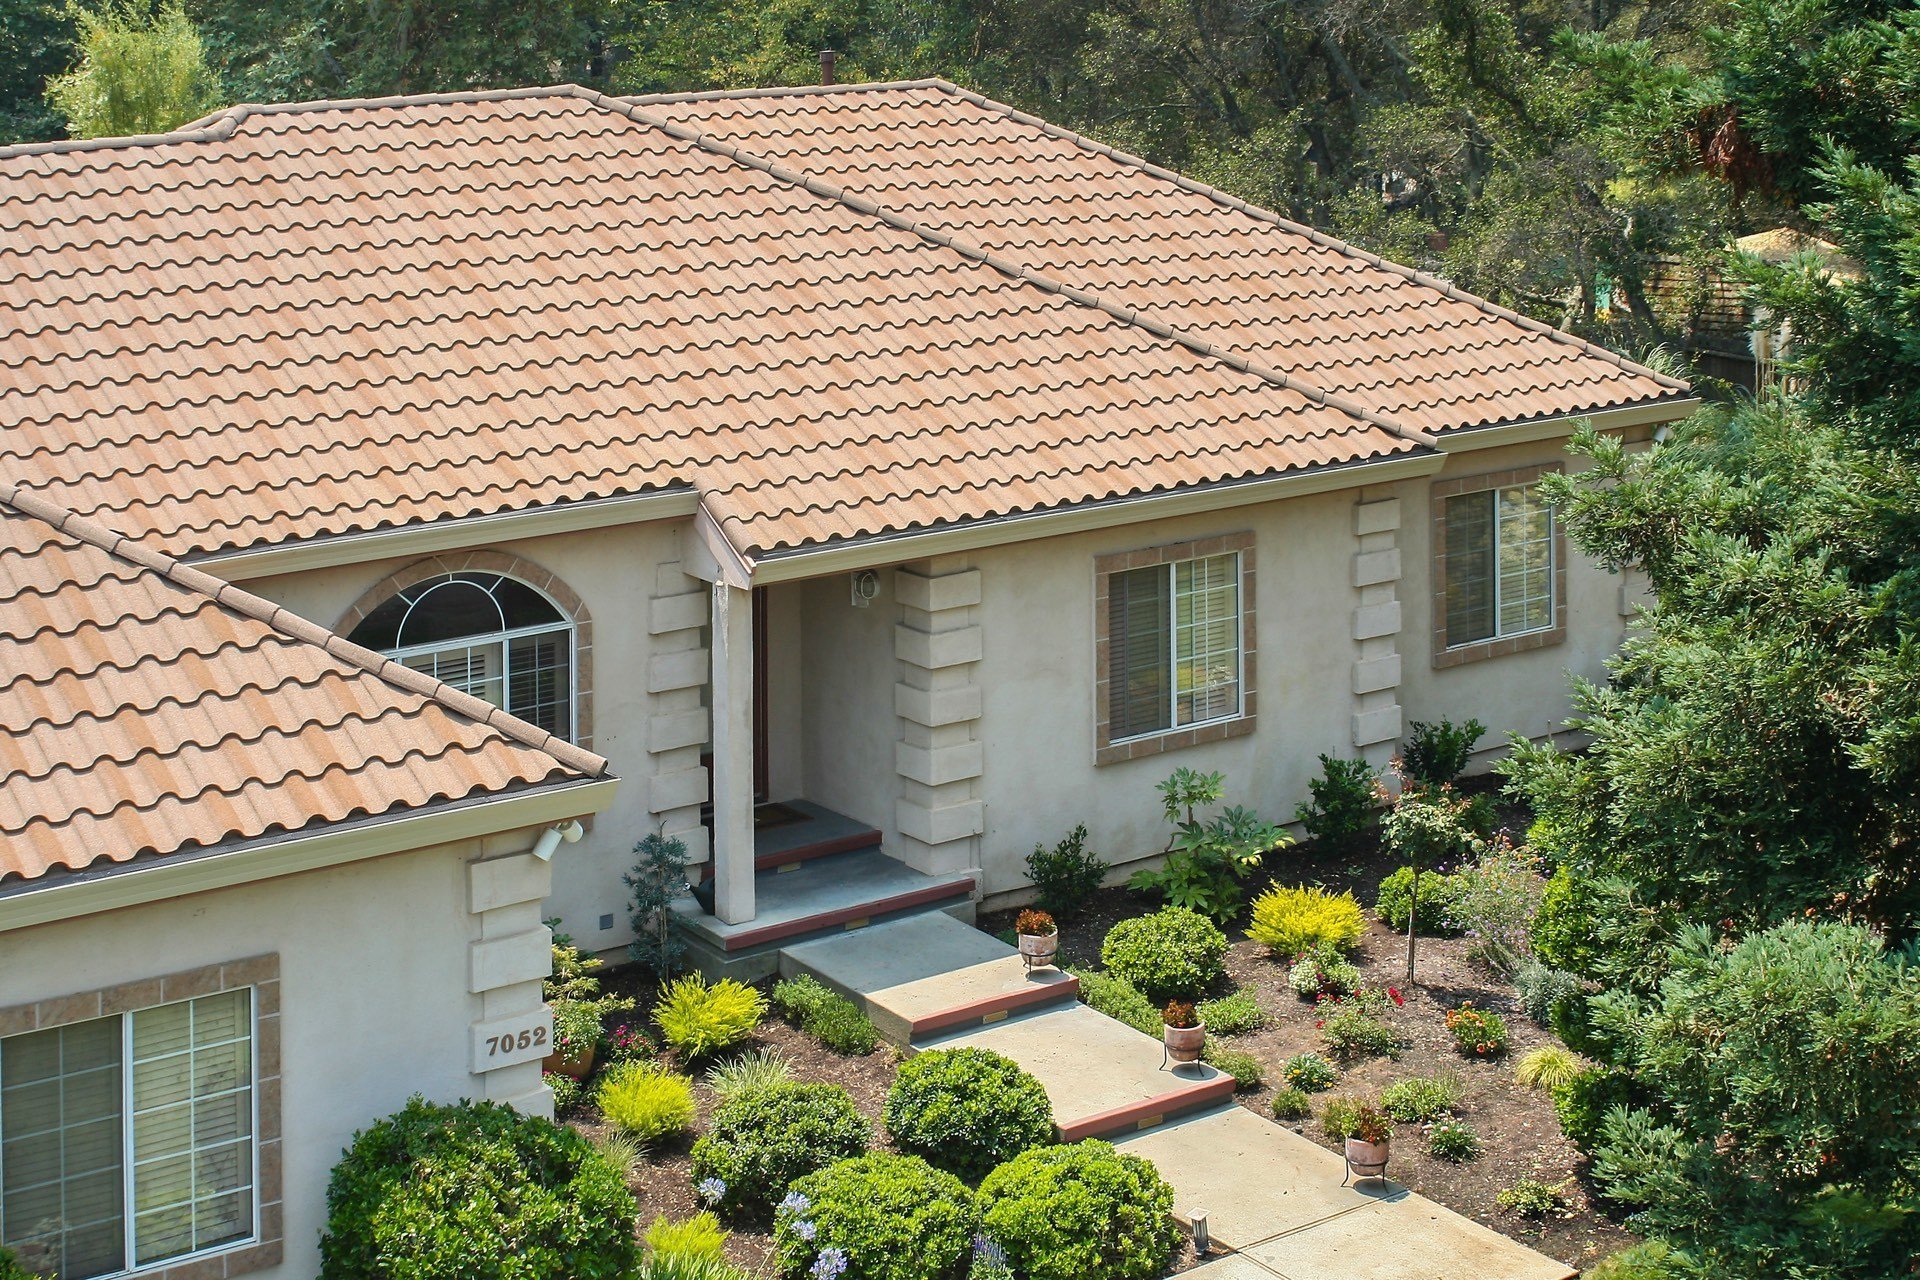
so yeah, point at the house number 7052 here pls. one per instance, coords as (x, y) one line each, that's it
(533, 1038)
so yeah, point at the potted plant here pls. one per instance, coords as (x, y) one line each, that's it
(576, 1038)
(1368, 1137)
(1185, 1034)
(1039, 937)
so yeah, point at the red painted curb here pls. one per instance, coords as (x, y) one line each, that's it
(1199, 1094)
(1019, 998)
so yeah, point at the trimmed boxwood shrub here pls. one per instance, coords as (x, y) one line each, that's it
(475, 1189)
(966, 1110)
(1438, 896)
(759, 1142)
(1080, 1212)
(1173, 954)
(888, 1217)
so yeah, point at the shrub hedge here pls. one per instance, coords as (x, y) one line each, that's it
(759, 1142)
(1083, 1211)
(1172, 954)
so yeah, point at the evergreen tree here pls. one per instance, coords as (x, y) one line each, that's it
(138, 73)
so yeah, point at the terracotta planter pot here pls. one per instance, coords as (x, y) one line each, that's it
(1184, 1043)
(1038, 948)
(1367, 1159)
(577, 1065)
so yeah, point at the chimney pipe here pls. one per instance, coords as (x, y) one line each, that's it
(827, 59)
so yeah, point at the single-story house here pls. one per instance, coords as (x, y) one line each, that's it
(870, 474)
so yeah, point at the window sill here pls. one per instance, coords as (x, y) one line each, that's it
(1175, 739)
(1481, 650)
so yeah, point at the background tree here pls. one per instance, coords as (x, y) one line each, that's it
(36, 44)
(138, 73)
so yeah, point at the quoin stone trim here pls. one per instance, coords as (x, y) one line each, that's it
(679, 723)
(1376, 625)
(1105, 749)
(509, 957)
(262, 974)
(937, 701)
(1445, 656)
(534, 575)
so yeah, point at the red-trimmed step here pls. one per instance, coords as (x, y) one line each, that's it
(853, 916)
(973, 1013)
(1148, 1112)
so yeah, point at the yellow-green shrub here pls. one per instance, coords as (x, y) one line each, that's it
(1288, 921)
(700, 1020)
(646, 1100)
(700, 1236)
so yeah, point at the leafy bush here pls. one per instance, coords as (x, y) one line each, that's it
(1353, 1033)
(1480, 1032)
(888, 1217)
(1566, 929)
(566, 1092)
(573, 989)
(700, 1236)
(1343, 803)
(1453, 1140)
(1532, 1198)
(475, 1189)
(1207, 859)
(1438, 893)
(759, 1142)
(1246, 1070)
(1498, 900)
(1437, 754)
(831, 1018)
(1289, 921)
(1233, 1015)
(1344, 1118)
(700, 1020)
(757, 1070)
(1309, 1072)
(1648, 1260)
(1120, 1000)
(1582, 1102)
(1291, 1104)
(966, 1110)
(645, 1100)
(1418, 1099)
(1323, 971)
(1080, 1212)
(1547, 1067)
(1545, 992)
(1172, 953)
(1067, 875)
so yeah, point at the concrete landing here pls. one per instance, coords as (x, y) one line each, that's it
(1103, 1078)
(926, 974)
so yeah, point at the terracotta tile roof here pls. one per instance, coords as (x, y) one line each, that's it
(291, 322)
(147, 709)
(1404, 344)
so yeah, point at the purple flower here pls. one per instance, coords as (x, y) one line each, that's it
(712, 1190)
(831, 1263)
(805, 1230)
(795, 1203)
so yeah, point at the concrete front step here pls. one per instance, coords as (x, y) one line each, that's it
(927, 974)
(1103, 1078)
(1277, 1200)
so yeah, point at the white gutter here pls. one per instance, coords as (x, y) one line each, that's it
(448, 535)
(884, 549)
(1636, 415)
(117, 886)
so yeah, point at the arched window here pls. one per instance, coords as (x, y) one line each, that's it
(486, 634)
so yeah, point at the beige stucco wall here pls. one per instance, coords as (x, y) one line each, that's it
(374, 993)
(846, 697)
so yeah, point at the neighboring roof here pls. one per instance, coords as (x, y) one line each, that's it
(148, 709)
(291, 322)
(1778, 245)
(1404, 344)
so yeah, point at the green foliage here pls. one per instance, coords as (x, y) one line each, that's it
(701, 1020)
(831, 1018)
(1288, 921)
(659, 876)
(1066, 875)
(757, 1070)
(1290, 1103)
(475, 1189)
(989, 1261)
(681, 1266)
(140, 71)
(1353, 1032)
(1532, 1198)
(1648, 1260)
(1338, 1117)
(891, 1217)
(10, 1268)
(1453, 1141)
(1172, 954)
(579, 1007)
(1119, 1000)
(36, 44)
(623, 1152)
(1548, 1067)
(1234, 1014)
(1437, 754)
(1309, 1072)
(1323, 971)
(1246, 1070)
(1438, 893)
(1345, 797)
(966, 1110)
(1477, 1032)
(1207, 859)
(759, 1142)
(1566, 930)
(1543, 990)
(700, 1236)
(1498, 899)
(1082, 1211)
(1582, 1102)
(566, 1092)
(1418, 1099)
(645, 1100)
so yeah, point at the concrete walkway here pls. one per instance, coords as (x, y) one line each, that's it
(1274, 1200)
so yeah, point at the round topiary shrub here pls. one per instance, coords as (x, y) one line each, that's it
(475, 1189)
(1172, 954)
(875, 1217)
(760, 1141)
(966, 1111)
(1080, 1212)
(1438, 896)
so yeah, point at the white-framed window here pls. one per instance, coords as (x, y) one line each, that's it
(128, 1142)
(1500, 564)
(486, 634)
(1175, 646)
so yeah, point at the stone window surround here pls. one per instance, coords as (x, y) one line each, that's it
(1106, 750)
(534, 575)
(262, 974)
(1480, 650)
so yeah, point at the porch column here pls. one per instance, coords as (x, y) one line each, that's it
(733, 753)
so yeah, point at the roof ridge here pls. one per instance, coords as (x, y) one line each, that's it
(286, 622)
(1321, 238)
(784, 90)
(1017, 270)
